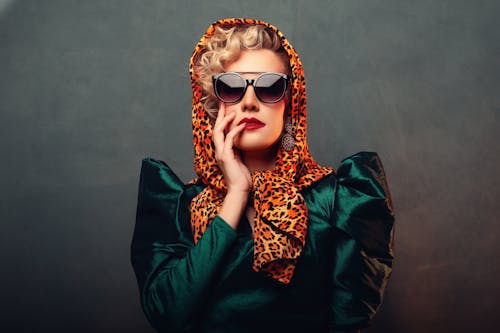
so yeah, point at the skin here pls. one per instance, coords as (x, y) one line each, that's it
(239, 151)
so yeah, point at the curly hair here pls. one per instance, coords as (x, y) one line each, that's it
(224, 47)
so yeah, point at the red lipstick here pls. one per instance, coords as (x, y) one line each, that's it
(252, 123)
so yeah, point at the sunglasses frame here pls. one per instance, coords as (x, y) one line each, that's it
(251, 82)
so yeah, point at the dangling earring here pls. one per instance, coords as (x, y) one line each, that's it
(287, 140)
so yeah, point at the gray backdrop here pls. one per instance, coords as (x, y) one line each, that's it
(89, 88)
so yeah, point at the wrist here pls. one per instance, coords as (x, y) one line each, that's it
(238, 193)
(233, 207)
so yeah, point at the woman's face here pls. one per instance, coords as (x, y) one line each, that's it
(261, 138)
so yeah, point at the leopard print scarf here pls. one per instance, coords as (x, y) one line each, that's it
(281, 214)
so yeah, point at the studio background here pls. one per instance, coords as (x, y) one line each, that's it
(89, 88)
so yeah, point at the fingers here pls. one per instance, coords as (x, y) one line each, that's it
(220, 124)
(236, 174)
(229, 142)
(219, 136)
(221, 113)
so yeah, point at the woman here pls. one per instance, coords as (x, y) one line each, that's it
(265, 238)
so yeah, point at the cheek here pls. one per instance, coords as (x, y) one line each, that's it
(278, 118)
(281, 112)
(230, 109)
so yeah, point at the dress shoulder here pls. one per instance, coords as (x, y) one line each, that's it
(162, 214)
(364, 218)
(157, 176)
(363, 205)
(162, 195)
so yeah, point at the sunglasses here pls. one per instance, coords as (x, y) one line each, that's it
(269, 87)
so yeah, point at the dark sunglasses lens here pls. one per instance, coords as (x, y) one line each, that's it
(270, 87)
(230, 87)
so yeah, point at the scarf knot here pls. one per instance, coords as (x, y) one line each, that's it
(280, 225)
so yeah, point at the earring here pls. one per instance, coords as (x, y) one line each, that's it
(287, 140)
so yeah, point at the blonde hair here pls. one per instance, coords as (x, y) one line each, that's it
(225, 46)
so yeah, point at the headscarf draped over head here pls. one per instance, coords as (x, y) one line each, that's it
(281, 214)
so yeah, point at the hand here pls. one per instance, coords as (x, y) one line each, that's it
(236, 175)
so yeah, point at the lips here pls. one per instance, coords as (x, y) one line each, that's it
(251, 123)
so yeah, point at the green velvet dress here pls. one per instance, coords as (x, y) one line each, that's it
(339, 280)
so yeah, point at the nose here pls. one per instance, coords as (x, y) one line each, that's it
(249, 102)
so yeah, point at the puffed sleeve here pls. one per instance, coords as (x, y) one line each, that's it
(363, 245)
(174, 275)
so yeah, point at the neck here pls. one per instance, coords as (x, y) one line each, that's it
(259, 160)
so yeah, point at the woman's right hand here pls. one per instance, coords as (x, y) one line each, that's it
(236, 175)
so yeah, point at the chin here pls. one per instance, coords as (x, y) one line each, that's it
(255, 146)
